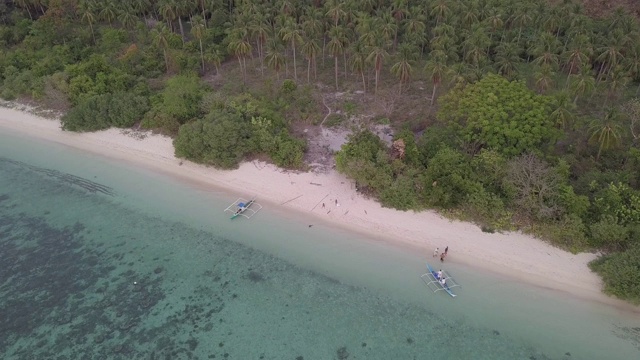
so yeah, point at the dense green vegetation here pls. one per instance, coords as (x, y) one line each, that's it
(531, 118)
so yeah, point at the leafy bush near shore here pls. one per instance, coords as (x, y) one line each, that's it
(234, 130)
(620, 272)
(104, 111)
(220, 140)
(178, 103)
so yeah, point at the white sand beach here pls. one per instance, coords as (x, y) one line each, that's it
(332, 198)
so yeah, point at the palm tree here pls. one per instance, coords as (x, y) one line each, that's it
(606, 132)
(436, 69)
(494, 20)
(214, 56)
(365, 29)
(312, 23)
(552, 22)
(169, 10)
(336, 46)
(260, 29)
(109, 11)
(197, 30)
(403, 68)
(141, 7)
(469, 15)
(399, 11)
(377, 55)
(241, 47)
(388, 27)
(358, 60)
(617, 81)
(544, 78)
(563, 110)
(440, 10)
(610, 54)
(460, 73)
(583, 83)
(476, 46)
(546, 51)
(291, 33)
(274, 56)
(522, 18)
(578, 53)
(310, 48)
(507, 59)
(161, 36)
(335, 10)
(87, 10)
(632, 63)
(127, 17)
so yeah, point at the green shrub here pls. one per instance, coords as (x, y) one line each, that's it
(568, 233)
(220, 140)
(621, 273)
(448, 179)
(288, 86)
(334, 120)
(498, 114)
(99, 112)
(401, 194)
(288, 152)
(608, 233)
(8, 94)
(364, 158)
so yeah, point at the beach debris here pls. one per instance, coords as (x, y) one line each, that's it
(321, 201)
(310, 225)
(316, 184)
(291, 199)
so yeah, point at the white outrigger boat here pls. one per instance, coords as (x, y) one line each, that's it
(243, 207)
(434, 282)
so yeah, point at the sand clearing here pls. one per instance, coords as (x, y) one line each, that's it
(332, 197)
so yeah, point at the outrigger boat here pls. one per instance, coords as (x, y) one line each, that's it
(434, 282)
(243, 207)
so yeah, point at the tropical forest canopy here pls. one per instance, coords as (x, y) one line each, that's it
(515, 114)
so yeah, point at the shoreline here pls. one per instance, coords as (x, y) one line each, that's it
(332, 199)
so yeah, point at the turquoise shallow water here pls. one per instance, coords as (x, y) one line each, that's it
(101, 260)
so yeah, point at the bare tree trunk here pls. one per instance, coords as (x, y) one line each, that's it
(202, 56)
(364, 83)
(336, 69)
(433, 93)
(344, 57)
(295, 67)
(181, 28)
(315, 68)
(166, 60)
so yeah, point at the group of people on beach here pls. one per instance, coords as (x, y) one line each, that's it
(442, 255)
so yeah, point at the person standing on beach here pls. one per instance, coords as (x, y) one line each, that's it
(435, 252)
(446, 250)
(442, 257)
